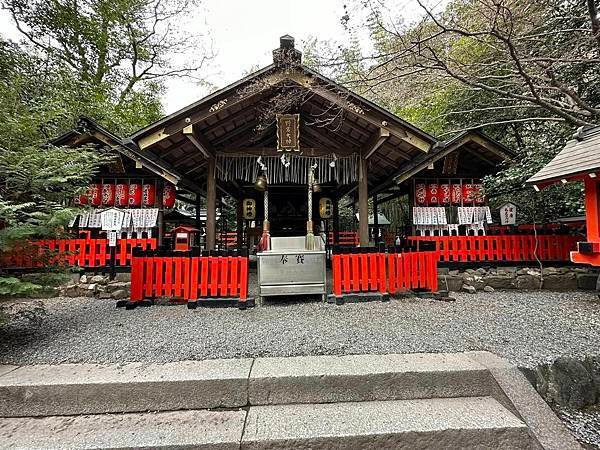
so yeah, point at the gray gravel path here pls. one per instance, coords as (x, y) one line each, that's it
(526, 328)
(585, 425)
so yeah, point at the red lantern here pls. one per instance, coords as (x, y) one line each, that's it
(149, 195)
(95, 194)
(108, 194)
(467, 193)
(456, 194)
(421, 193)
(478, 194)
(433, 194)
(135, 194)
(445, 193)
(169, 195)
(81, 199)
(121, 194)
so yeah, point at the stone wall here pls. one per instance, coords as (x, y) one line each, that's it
(523, 278)
(568, 382)
(98, 286)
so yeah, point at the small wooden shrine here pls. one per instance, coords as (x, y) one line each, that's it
(286, 144)
(579, 161)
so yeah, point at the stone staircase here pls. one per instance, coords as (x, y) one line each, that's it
(470, 400)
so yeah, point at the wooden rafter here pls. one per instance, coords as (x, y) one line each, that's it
(376, 141)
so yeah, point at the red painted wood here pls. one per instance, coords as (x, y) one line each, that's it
(336, 263)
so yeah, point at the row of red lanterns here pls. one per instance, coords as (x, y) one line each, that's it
(124, 195)
(445, 194)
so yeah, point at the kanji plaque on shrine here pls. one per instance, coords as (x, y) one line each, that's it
(288, 132)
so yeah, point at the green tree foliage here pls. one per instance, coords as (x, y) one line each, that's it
(105, 59)
(526, 72)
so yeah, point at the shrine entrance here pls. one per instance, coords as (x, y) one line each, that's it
(288, 210)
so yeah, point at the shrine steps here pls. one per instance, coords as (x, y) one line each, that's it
(472, 400)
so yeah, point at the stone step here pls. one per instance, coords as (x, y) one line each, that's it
(353, 378)
(68, 389)
(92, 389)
(479, 422)
(172, 429)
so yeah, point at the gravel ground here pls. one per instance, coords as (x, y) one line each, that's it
(526, 328)
(585, 425)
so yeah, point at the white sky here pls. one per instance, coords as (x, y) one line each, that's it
(244, 33)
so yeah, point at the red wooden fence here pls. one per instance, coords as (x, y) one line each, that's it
(518, 248)
(82, 252)
(365, 270)
(185, 277)
(412, 270)
(358, 272)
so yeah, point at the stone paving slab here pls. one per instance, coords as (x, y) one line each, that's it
(464, 423)
(213, 430)
(4, 369)
(327, 379)
(92, 389)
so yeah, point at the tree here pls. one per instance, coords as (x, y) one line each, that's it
(121, 43)
(540, 55)
(524, 72)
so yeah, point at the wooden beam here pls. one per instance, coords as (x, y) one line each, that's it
(480, 156)
(394, 129)
(321, 137)
(152, 139)
(195, 139)
(376, 141)
(392, 196)
(235, 132)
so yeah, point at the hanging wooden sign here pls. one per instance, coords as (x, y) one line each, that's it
(288, 132)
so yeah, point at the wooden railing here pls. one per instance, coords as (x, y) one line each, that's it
(370, 269)
(188, 276)
(517, 248)
(82, 252)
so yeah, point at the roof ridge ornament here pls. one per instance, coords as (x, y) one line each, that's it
(287, 54)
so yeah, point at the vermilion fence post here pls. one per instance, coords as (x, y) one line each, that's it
(223, 273)
(204, 271)
(392, 281)
(336, 262)
(137, 277)
(244, 277)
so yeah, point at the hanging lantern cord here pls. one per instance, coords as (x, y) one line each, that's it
(310, 238)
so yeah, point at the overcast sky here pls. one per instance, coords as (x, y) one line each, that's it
(244, 33)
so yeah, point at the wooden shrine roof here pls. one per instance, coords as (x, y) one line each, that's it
(580, 156)
(334, 120)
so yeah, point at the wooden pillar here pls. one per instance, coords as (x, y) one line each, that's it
(160, 221)
(211, 205)
(363, 203)
(240, 223)
(375, 220)
(336, 219)
(592, 209)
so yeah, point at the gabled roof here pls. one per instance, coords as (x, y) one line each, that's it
(580, 156)
(229, 122)
(478, 143)
(88, 131)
